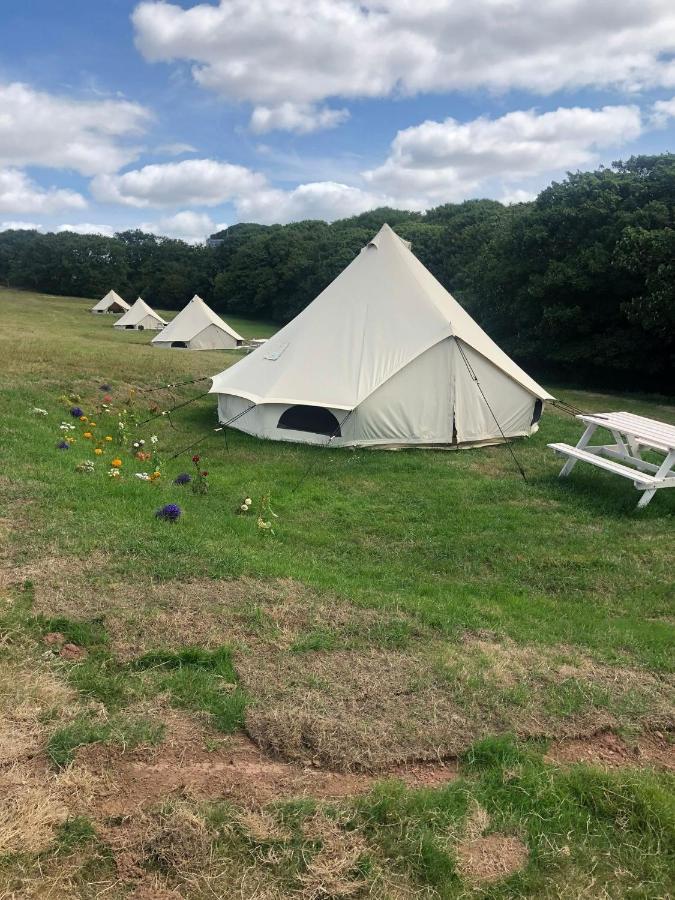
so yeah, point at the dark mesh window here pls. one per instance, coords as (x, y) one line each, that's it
(536, 415)
(129, 327)
(315, 419)
(180, 344)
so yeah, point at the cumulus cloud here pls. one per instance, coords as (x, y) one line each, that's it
(436, 162)
(271, 53)
(88, 136)
(303, 118)
(87, 228)
(19, 194)
(200, 182)
(189, 226)
(662, 111)
(327, 200)
(20, 226)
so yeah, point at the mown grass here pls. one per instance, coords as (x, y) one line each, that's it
(441, 543)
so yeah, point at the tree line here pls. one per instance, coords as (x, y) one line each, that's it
(577, 285)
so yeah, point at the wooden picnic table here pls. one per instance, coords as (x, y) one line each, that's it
(632, 435)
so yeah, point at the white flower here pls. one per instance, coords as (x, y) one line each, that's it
(114, 473)
(38, 411)
(136, 444)
(143, 476)
(141, 443)
(154, 439)
(120, 425)
(247, 501)
(244, 507)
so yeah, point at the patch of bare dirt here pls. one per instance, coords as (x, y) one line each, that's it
(610, 750)
(491, 858)
(194, 762)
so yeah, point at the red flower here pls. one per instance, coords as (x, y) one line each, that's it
(205, 474)
(195, 459)
(107, 398)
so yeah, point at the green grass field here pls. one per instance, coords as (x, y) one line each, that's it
(406, 609)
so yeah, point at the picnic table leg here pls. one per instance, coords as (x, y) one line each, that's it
(583, 440)
(663, 471)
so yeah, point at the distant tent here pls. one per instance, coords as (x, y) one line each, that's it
(140, 318)
(111, 303)
(196, 327)
(383, 356)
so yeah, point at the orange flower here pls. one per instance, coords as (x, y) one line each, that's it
(116, 463)
(87, 434)
(83, 419)
(92, 424)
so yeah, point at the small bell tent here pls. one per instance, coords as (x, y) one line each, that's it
(384, 356)
(197, 327)
(111, 303)
(140, 318)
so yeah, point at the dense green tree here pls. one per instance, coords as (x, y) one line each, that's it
(578, 284)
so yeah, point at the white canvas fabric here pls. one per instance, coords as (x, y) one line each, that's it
(140, 317)
(392, 355)
(197, 327)
(112, 302)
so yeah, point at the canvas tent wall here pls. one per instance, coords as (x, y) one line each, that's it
(384, 356)
(111, 303)
(197, 327)
(140, 318)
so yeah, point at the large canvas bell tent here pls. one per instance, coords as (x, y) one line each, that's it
(383, 356)
(111, 303)
(196, 327)
(140, 317)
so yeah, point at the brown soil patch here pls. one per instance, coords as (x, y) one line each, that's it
(197, 763)
(491, 858)
(607, 749)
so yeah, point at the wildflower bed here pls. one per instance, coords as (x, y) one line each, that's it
(391, 595)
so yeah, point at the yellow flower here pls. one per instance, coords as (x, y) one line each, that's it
(108, 437)
(83, 419)
(155, 475)
(116, 463)
(93, 424)
(98, 451)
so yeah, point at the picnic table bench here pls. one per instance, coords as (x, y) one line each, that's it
(632, 434)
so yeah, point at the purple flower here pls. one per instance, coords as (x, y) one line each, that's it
(170, 512)
(76, 412)
(63, 445)
(183, 478)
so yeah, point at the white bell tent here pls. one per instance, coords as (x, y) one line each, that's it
(383, 356)
(140, 317)
(197, 327)
(111, 303)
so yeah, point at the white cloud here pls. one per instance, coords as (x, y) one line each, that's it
(20, 226)
(662, 111)
(176, 149)
(271, 53)
(191, 227)
(37, 128)
(437, 162)
(18, 194)
(303, 118)
(327, 200)
(194, 182)
(87, 228)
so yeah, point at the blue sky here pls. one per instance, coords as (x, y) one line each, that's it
(179, 117)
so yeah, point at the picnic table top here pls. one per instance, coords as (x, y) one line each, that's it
(650, 432)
